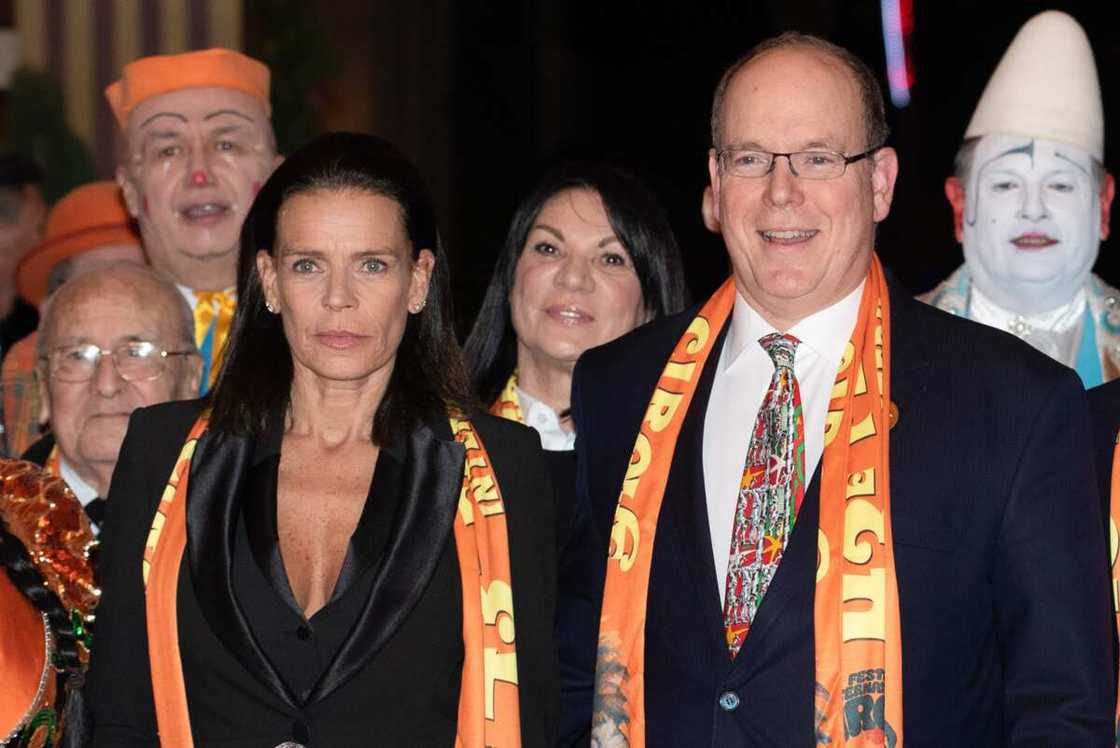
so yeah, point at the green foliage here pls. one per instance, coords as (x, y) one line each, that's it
(35, 126)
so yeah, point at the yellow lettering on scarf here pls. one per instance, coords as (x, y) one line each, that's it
(861, 381)
(822, 554)
(624, 538)
(861, 483)
(497, 666)
(466, 510)
(498, 599)
(861, 516)
(662, 408)
(682, 372)
(832, 423)
(870, 623)
(639, 463)
(700, 329)
(863, 429)
(840, 389)
(485, 493)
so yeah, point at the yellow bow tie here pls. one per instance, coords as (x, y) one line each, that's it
(213, 309)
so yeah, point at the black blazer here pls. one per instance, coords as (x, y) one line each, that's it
(998, 552)
(260, 708)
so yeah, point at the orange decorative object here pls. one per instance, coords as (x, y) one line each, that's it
(209, 68)
(91, 216)
(25, 650)
(44, 514)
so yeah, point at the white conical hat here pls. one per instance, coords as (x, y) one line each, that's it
(1045, 87)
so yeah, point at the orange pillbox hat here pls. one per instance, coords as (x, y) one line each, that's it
(88, 217)
(209, 68)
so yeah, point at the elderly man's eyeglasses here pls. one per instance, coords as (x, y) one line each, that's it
(135, 361)
(745, 162)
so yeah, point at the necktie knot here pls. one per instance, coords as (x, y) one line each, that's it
(781, 348)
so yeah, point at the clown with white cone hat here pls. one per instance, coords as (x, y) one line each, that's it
(1031, 201)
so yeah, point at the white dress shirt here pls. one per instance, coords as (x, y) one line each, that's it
(1056, 333)
(547, 423)
(84, 491)
(741, 381)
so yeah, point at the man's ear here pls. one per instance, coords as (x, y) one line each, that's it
(1108, 191)
(884, 174)
(713, 188)
(132, 198)
(44, 393)
(954, 193)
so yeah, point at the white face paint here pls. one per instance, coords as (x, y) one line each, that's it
(1031, 222)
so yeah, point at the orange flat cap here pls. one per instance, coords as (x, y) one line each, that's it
(88, 217)
(208, 68)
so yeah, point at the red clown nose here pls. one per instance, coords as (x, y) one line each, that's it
(199, 178)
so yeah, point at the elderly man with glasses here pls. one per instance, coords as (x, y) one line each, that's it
(112, 340)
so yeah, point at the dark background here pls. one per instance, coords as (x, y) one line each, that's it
(484, 94)
(633, 79)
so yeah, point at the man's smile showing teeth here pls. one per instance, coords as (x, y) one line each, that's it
(788, 236)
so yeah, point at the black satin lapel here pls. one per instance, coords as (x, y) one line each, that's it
(686, 501)
(218, 473)
(431, 478)
(791, 589)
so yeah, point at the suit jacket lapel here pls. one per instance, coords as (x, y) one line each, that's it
(431, 479)
(686, 504)
(218, 473)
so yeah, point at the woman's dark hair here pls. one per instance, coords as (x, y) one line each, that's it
(25, 577)
(428, 378)
(637, 220)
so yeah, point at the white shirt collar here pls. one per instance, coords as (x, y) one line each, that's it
(84, 491)
(818, 332)
(983, 309)
(546, 421)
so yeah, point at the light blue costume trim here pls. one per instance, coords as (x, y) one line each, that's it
(206, 352)
(1098, 351)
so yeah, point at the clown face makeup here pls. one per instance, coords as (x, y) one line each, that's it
(1031, 222)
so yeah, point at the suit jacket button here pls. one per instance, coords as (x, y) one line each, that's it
(728, 701)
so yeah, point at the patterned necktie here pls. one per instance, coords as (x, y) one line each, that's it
(770, 493)
(213, 313)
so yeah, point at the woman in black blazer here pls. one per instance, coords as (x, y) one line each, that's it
(337, 548)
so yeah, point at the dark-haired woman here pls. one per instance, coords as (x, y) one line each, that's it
(337, 549)
(47, 597)
(588, 257)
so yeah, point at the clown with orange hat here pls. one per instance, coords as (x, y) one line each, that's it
(198, 144)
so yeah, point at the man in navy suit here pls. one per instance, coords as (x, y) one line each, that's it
(998, 554)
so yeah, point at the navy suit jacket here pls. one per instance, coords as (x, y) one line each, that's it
(998, 552)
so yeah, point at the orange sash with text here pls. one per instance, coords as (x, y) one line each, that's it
(856, 619)
(488, 699)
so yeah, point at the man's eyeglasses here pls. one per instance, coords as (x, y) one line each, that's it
(745, 162)
(135, 361)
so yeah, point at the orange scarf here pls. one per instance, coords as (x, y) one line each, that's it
(488, 700)
(508, 404)
(1114, 549)
(856, 620)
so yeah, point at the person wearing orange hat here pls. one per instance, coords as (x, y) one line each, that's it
(198, 144)
(87, 228)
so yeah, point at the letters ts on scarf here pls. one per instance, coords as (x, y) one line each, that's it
(856, 618)
(488, 698)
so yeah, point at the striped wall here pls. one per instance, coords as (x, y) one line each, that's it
(84, 43)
